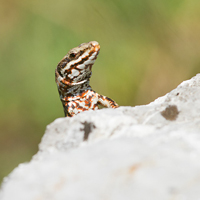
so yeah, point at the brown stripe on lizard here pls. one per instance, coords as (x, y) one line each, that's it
(72, 77)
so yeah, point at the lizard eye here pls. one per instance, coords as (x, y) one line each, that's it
(72, 55)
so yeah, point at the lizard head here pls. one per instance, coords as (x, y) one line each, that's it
(76, 66)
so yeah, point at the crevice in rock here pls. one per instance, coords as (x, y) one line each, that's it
(88, 127)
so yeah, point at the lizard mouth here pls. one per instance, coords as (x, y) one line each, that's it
(95, 45)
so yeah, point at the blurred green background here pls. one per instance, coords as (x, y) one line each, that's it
(148, 47)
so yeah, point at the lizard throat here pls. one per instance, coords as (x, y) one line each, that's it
(74, 92)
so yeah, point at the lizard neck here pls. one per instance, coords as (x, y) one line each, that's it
(72, 92)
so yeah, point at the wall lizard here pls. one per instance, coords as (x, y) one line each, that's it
(72, 77)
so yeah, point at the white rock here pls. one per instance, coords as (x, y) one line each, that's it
(141, 153)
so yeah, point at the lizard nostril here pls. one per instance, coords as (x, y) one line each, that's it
(94, 43)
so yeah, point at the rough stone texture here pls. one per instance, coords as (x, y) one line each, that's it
(143, 152)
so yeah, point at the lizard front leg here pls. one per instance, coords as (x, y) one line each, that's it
(107, 102)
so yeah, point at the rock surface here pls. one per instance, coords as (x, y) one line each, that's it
(143, 152)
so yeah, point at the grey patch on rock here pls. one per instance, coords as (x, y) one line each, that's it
(88, 127)
(170, 113)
